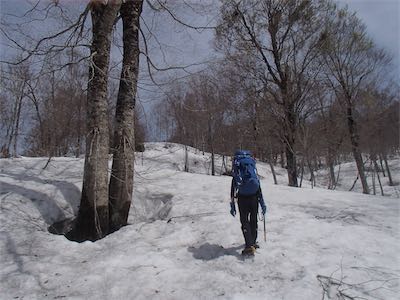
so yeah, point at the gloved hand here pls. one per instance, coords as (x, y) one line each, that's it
(263, 207)
(233, 209)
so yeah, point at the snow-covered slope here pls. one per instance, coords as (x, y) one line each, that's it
(347, 174)
(182, 243)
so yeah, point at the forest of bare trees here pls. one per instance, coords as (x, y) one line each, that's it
(298, 82)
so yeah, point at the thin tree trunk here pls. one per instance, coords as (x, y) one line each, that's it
(354, 183)
(211, 144)
(223, 166)
(376, 168)
(282, 160)
(354, 138)
(35, 103)
(257, 152)
(332, 181)
(337, 177)
(17, 121)
(271, 165)
(312, 179)
(302, 172)
(121, 182)
(373, 179)
(382, 168)
(12, 127)
(212, 162)
(186, 168)
(388, 170)
(273, 172)
(5, 149)
(93, 217)
(380, 183)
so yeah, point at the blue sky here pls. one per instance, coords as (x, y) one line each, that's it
(185, 46)
(382, 18)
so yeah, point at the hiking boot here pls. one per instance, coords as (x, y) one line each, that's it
(249, 251)
(256, 245)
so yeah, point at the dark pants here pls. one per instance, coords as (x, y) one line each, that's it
(248, 208)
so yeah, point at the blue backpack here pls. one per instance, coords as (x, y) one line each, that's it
(245, 173)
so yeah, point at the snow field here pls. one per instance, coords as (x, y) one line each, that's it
(182, 243)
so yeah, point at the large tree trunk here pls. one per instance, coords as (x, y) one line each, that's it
(290, 133)
(93, 217)
(354, 138)
(121, 182)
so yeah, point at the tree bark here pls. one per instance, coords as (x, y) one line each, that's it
(376, 169)
(388, 170)
(212, 162)
(273, 172)
(381, 163)
(282, 159)
(354, 138)
(290, 124)
(302, 172)
(17, 121)
(93, 217)
(332, 178)
(211, 144)
(373, 179)
(122, 174)
(186, 167)
(337, 177)
(271, 165)
(312, 178)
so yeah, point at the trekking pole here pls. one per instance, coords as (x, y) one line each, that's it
(265, 234)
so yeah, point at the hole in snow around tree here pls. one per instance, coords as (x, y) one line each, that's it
(149, 207)
(61, 227)
(146, 207)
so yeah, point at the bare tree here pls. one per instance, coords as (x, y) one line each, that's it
(379, 135)
(15, 80)
(350, 57)
(59, 102)
(282, 38)
(93, 218)
(121, 182)
(329, 129)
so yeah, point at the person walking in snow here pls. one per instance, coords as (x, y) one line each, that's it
(246, 188)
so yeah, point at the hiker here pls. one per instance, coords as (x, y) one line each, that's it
(246, 188)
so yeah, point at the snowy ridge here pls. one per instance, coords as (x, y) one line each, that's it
(182, 242)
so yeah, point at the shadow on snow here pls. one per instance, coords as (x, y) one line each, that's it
(212, 251)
